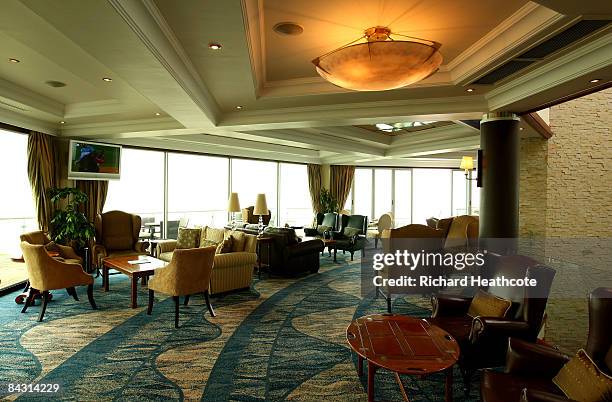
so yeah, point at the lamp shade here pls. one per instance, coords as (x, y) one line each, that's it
(233, 204)
(467, 163)
(261, 206)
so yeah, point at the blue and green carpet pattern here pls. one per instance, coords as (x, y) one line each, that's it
(284, 339)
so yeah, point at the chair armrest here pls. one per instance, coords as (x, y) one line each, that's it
(235, 259)
(68, 252)
(165, 246)
(141, 246)
(98, 252)
(491, 329)
(59, 275)
(525, 358)
(311, 232)
(449, 306)
(306, 247)
(338, 236)
(528, 395)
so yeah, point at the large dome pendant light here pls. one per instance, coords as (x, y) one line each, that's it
(381, 63)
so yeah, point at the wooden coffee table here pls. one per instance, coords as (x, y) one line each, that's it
(134, 271)
(404, 345)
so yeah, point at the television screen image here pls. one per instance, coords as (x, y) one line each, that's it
(94, 161)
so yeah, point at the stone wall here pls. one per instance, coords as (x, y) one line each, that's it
(566, 197)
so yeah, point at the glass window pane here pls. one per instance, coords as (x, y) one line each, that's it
(432, 194)
(363, 192)
(402, 198)
(295, 204)
(250, 177)
(134, 193)
(475, 197)
(17, 210)
(197, 190)
(459, 193)
(348, 205)
(382, 192)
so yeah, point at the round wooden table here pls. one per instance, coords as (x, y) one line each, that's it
(404, 345)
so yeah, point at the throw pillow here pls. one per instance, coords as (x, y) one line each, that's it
(238, 241)
(580, 379)
(214, 234)
(225, 246)
(485, 304)
(187, 238)
(207, 243)
(52, 246)
(350, 232)
(321, 229)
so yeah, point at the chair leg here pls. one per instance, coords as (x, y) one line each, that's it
(45, 299)
(90, 296)
(363, 252)
(351, 256)
(29, 299)
(210, 308)
(176, 311)
(186, 300)
(150, 306)
(72, 292)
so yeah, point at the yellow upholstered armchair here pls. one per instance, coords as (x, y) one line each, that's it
(117, 235)
(40, 238)
(188, 273)
(46, 273)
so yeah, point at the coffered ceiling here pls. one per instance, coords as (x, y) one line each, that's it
(259, 95)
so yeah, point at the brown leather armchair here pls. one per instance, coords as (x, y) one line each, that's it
(484, 340)
(117, 235)
(46, 273)
(530, 367)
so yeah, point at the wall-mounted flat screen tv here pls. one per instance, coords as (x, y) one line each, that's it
(94, 161)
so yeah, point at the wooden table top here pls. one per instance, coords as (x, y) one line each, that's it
(402, 344)
(121, 264)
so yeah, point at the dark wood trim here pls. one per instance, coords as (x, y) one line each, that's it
(538, 124)
(15, 129)
(563, 99)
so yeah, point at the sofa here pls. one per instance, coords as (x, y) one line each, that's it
(290, 255)
(231, 271)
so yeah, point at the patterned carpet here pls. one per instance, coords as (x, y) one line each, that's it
(282, 340)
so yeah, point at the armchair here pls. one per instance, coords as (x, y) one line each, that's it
(40, 238)
(484, 340)
(530, 368)
(351, 236)
(376, 229)
(117, 234)
(188, 273)
(249, 218)
(460, 231)
(290, 256)
(46, 273)
(329, 219)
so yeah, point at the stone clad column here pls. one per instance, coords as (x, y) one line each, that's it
(499, 196)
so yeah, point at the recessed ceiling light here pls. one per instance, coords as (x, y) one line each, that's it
(238, 107)
(55, 84)
(595, 80)
(470, 90)
(157, 114)
(62, 122)
(107, 79)
(214, 46)
(11, 60)
(521, 128)
(288, 28)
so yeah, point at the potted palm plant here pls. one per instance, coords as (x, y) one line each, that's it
(70, 226)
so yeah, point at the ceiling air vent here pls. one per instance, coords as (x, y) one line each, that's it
(570, 35)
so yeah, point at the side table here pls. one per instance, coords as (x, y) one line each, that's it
(268, 242)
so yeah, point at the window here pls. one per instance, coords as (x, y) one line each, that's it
(250, 177)
(432, 194)
(348, 205)
(362, 202)
(17, 209)
(475, 198)
(140, 190)
(294, 195)
(197, 190)
(403, 198)
(460, 184)
(383, 192)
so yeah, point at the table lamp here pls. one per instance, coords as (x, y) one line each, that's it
(233, 206)
(261, 208)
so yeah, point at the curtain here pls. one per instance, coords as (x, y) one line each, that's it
(314, 185)
(340, 182)
(42, 175)
(96, 191)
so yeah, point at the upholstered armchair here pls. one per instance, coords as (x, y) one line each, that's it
(484, 340)
(351, 236)
(46, 273)
(530, 368)
(40, 238)
(289, 255)
(329, 220)
(376, 229)
(460, 231)
(117, 234)
(188, 273)
(249, 218)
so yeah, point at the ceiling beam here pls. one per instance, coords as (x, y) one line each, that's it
(538, 124)
(436, 147)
